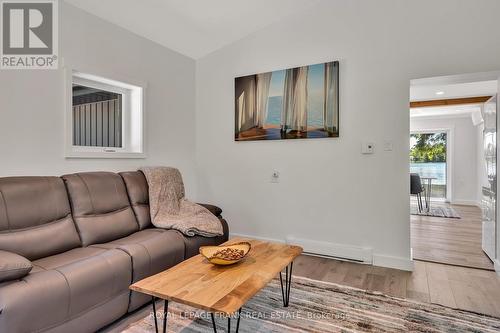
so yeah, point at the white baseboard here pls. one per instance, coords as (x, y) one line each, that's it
(466, 203)
(363, 255)
(404, 264)
(231, 235)
(496, 264)
(341, 251)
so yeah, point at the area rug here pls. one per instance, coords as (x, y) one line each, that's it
(326, 307)
(437, 211)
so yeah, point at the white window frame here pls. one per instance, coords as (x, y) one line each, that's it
(132, 116)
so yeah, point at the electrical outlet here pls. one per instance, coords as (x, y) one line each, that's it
(367, 148)
(275, 177)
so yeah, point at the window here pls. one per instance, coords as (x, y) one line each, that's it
(97, 117)
(428, 158)
(105, 118)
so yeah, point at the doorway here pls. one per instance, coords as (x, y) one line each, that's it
(448, 129)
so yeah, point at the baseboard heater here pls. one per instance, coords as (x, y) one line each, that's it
(332, 250)
(334, 257)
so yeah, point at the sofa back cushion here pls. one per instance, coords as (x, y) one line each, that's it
(100, 206)
(138, 194)
(35, 217)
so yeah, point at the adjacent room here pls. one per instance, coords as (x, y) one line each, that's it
(249, 166)
(452, 169)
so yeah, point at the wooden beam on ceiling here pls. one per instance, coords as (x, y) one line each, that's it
(448, 102)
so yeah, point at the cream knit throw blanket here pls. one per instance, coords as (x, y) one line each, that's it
(171, 210)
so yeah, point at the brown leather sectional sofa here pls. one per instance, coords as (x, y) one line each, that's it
(88, 236)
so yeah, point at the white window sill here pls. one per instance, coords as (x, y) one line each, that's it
(117, 155)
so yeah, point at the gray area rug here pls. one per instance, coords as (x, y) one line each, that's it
(326, 307)
(437, 211)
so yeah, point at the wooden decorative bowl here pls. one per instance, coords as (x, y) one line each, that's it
(212, 255)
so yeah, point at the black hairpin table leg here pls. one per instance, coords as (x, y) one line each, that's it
(165, 315)
(213, 322)
(228, 322)
(154, 314)
(285, 289)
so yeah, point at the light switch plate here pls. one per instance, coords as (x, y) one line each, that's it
(388, 145)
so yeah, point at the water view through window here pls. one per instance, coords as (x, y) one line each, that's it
(428, 159)
(315, 97)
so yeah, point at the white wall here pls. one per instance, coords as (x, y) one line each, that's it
(329, 191)
(463, 142)
(31, 102)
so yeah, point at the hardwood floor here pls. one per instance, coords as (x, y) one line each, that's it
(450, 241)
(457, 287)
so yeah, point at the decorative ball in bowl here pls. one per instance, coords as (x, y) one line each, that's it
(225, 254)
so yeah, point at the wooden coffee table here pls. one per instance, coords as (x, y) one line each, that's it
(222, 289)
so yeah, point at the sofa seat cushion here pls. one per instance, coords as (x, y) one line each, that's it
(192, 244)
(67, 258)
(43, 295)
(93, 275)
(152, 251)
(63, 287)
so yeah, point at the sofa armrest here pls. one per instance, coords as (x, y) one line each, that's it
(13, 266)
(217, 211)
(225, 229)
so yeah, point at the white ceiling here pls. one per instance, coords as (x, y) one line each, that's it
(458, 86)
(446, 111)
(193, 27)
(425, 92)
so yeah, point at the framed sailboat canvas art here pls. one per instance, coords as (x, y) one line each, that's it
(295, 103)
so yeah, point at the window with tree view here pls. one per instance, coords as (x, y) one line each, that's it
(428, 159)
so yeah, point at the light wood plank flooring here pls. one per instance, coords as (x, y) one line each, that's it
(457, 287)
(450, 241)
